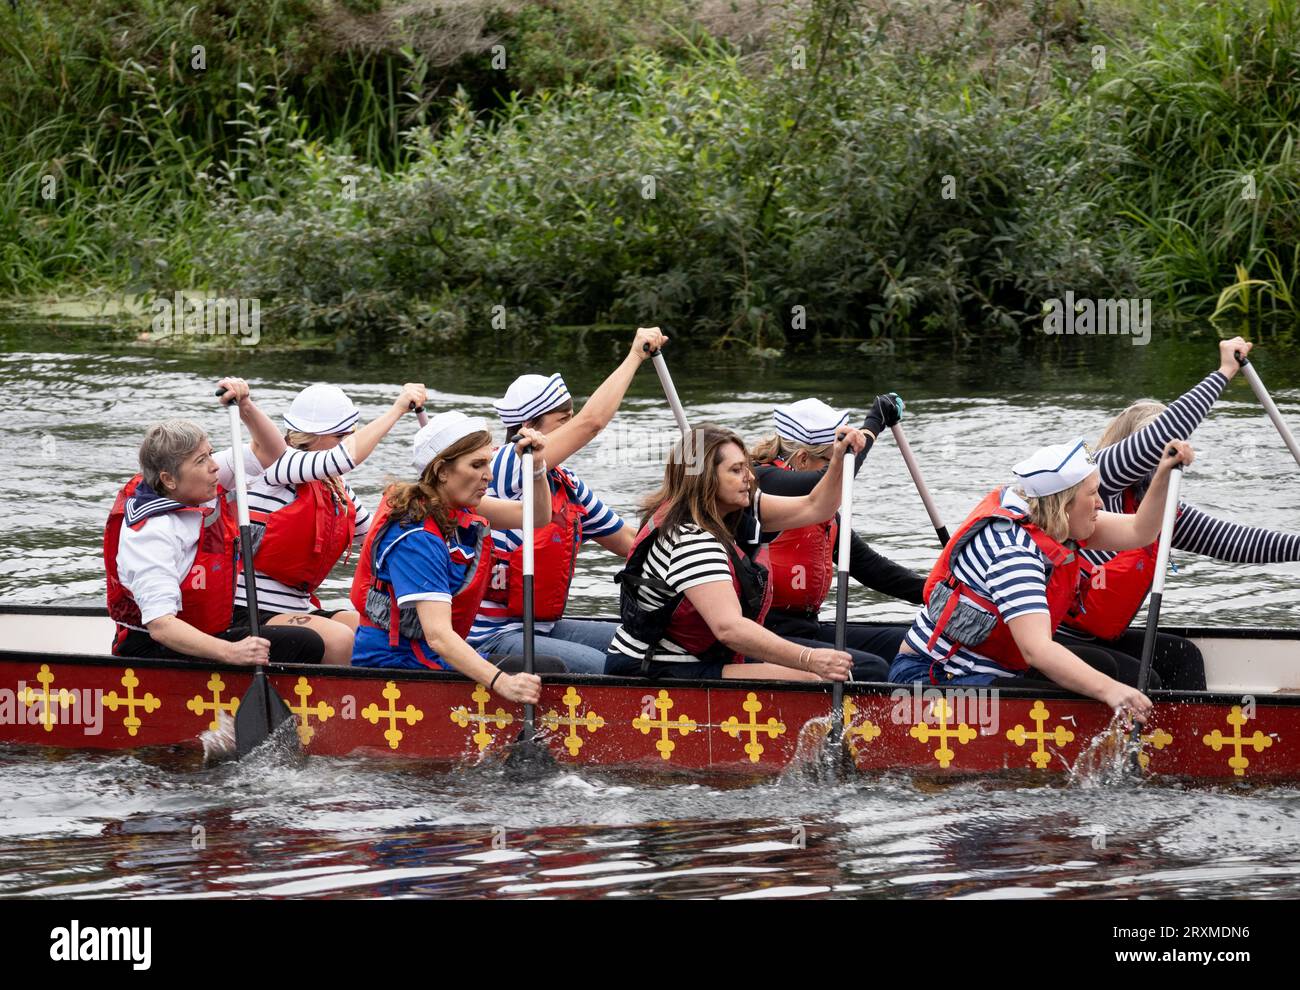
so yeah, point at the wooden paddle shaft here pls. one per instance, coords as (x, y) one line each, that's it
(1270, 406)
(914, 469)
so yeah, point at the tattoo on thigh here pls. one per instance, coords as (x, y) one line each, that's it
(298, 620)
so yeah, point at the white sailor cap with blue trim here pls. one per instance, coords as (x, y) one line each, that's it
(530, 396)
(1054, 469)
(321, 409)
(440, 433)
(809, 421)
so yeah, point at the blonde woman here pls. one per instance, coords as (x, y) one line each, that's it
(792, 462)
(1012, 571)
(1127, 456)
(306, 518)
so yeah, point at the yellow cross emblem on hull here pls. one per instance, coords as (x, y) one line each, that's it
(463, 717)
(663, 704)
(149, 703)
(591, 721)
(733, 727)
(372, 713)
(198, 706)
(867, 731)
(1159, 739)
(63, 698)
(1060, 735)
(924, 732)
(1216, 740)
(305, 711)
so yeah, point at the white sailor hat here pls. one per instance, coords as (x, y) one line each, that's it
(321, 409)
(809, 421)
(529, 396)
(1054, 469)
(440, 433)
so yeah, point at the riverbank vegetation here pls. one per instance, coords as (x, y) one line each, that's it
(758, 173)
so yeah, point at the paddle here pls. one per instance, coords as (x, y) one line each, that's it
(527, 750)
(261, 709)
(666, 380)
(419, 414)
(1157, 593)
(1269, 405)
(914, 469)
(836, 734)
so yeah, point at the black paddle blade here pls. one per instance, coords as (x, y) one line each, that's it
(260, 713)
(528, 757)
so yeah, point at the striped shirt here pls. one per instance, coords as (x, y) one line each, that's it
(1002, 563)
(273, 490)
(685, 560)
(598, 520)
(1133, 461)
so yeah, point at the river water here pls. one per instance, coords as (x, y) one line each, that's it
(109, 825)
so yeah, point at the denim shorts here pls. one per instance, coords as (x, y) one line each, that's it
(909, 668)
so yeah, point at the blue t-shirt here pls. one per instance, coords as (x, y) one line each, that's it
(420, 566)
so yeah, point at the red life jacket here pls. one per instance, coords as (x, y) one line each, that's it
(555, 554)
(376, 601)
(207, 592)
(302, 541)
(1114, 595)
(811, 549)
(1067, 572)
(678, 620)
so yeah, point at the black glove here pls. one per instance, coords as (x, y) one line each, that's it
(884, 413)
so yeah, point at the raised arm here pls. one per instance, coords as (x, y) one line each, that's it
(598, 410)
(1197, 531)
(1132, 459)
(1119, 531)
(506, 513)
(267, 444)
(362, 443)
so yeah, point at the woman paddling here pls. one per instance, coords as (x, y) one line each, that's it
(1012, 571)
(170, 548)
(792, 462)
(695, 589)
(428, 557)
(1128, 453)
(576, 514)
(306, 517)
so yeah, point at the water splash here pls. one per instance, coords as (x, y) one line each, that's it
(1108, 759)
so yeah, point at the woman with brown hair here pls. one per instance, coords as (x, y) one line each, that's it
(428, 557)
(1011, 573)
(695, 589)
(306, 517)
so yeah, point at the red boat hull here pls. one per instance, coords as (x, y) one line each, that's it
(746, 726)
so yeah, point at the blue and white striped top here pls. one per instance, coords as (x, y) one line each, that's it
(598, 520)
(1001, 563)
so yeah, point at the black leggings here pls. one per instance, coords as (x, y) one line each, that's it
(289, 644)
(1104, 658)
(1178, 661)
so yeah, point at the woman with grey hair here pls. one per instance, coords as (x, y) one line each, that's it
(170, 548)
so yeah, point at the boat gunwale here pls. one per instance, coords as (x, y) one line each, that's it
(852, 688)
(409, 675)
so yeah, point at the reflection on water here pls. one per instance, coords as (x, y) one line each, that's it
(103, 825)
(160, 824)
